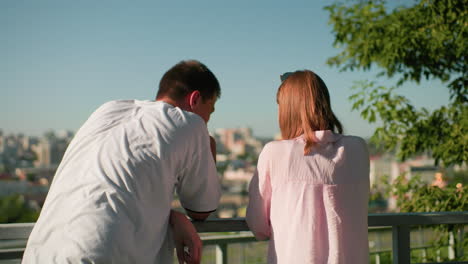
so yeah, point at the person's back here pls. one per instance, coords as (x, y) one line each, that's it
(316, 212)
(120, 141)
(312, 202)
(110, 200)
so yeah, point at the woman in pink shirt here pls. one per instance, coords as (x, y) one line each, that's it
(310, 192)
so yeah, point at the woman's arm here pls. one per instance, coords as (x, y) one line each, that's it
(258, 209)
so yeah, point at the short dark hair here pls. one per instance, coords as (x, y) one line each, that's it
(186, 77)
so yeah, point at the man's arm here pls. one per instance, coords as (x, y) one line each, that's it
(185, 236)
(197, 216)
(213, 147)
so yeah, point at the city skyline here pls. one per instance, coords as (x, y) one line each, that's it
(63, 60)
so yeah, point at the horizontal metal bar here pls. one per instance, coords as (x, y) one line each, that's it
(22, 230)
(394, 219)
(374, 220)
(15, 231)
(11, 253)
(389, 250)
(380, 251)
(17, 253)
(221, 225)
(228, 239)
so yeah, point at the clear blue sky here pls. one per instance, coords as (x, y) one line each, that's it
(60, 60)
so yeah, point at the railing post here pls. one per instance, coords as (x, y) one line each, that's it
(221, 254)
(421, 242)
(401, 244)
(451, 247)
(460, 252)
(378, 245)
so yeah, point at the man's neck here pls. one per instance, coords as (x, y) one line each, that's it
(175, 103)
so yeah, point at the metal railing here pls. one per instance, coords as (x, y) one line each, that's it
(400, 224)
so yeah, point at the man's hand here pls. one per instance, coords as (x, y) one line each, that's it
(185, 236)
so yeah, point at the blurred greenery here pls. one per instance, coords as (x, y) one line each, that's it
(15, 209)
(377, 202)
(426, 40)
(460, 176)
(414, 195)
(427, 198)
(249, 157)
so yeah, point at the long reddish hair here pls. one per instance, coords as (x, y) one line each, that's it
(304, 107)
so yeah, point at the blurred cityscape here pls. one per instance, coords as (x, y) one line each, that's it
(28, 165)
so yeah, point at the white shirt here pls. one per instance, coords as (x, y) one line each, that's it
(312, 207)
(111, 196)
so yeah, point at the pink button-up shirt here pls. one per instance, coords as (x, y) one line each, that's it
(312, 207)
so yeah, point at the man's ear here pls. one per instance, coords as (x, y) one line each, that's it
(194, 99)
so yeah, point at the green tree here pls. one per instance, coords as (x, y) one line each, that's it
(413, 195)
(14, 209)
(427, 40)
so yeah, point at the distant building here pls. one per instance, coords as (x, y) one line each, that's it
(43, 175)
(242, 175)
(237, 141)
(21, 187)
(51, 148)
(5, 176)
(20, 151)
(221, 157)
(43, 153)
(380, 166)
(2, 142)
(387, 165)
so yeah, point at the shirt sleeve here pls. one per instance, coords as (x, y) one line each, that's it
(258, 209)
(199, 188)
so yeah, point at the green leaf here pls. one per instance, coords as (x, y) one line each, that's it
(426, 40)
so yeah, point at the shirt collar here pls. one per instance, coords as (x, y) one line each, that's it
(324, 136)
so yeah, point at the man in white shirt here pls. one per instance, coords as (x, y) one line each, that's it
(110, 200)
